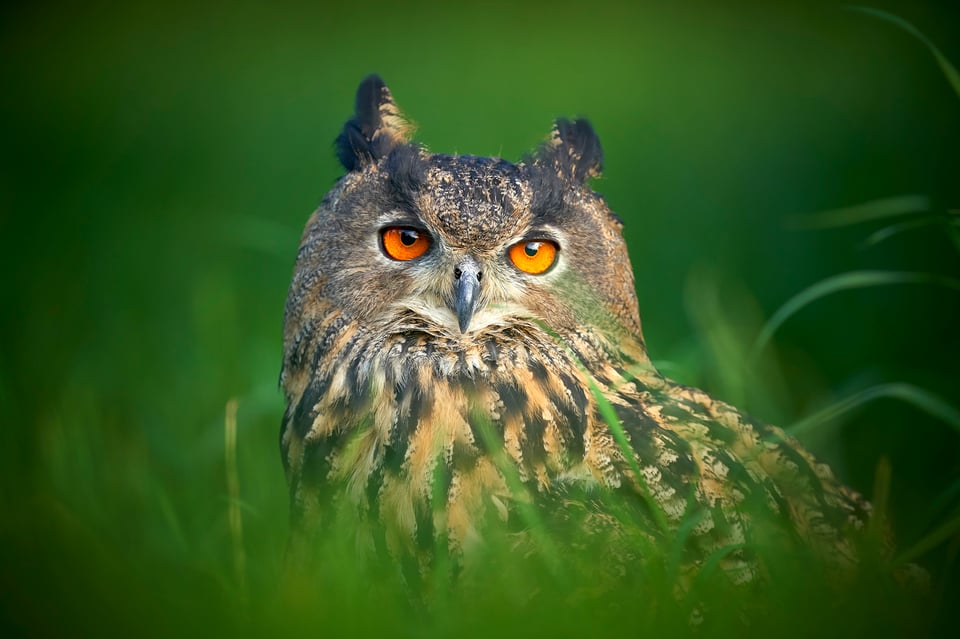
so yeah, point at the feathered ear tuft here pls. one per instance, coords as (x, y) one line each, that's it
(376, 128)
(573, 150)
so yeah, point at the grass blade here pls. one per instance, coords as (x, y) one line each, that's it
(865, 212)
(895, 229)
(878, 523)
(609, 415)
(922, 399)
(955, 230)
(523, 499)
(940, 505)
(842, 282)
(942, 533)
(234, 515)
(949, 71)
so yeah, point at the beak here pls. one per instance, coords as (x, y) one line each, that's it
(466, 290)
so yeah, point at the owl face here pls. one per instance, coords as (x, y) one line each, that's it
(459, 246)
(455, 241)
(469, 251)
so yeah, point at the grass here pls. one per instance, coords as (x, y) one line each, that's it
(150, 213)
(230, 578)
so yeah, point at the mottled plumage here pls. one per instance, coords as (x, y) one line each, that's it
(399, 413)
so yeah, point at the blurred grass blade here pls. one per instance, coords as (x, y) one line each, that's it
(922, 399)
(842, 282)
(169, 513)
(727, 318)
(718, 335)
(234, 515)
(953, 77)
(881, 501)
(941, 504)
(865, 212)
(678, 545)
(609, 415)
(895, 229)
(712, 563)
(523, 500)
(441, 567)
(942, 533)
(955, 230)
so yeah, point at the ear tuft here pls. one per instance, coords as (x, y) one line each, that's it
(573, 150)
(376, 128)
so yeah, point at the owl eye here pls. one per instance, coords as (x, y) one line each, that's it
(404, 243)
(534, 256)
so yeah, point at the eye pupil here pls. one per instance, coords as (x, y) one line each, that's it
(531, 249)
(408, 237)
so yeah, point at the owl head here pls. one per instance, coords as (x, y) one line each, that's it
(457, 245)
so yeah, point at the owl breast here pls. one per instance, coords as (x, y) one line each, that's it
(393, 419)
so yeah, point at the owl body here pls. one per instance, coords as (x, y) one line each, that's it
(462, 343)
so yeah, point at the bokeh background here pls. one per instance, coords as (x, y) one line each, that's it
(159, 162)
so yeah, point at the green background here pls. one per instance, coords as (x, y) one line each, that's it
(159, 162)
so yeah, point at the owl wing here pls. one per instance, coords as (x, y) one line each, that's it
(727, 480)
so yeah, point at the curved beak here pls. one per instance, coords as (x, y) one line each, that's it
(466, 290)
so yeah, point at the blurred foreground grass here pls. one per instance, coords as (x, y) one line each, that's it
(158, 164)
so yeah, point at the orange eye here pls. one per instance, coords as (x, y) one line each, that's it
(404, 243)
(534, 257)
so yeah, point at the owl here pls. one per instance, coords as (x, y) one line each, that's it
(463, 351)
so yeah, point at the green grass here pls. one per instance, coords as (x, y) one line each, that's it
(158, 167)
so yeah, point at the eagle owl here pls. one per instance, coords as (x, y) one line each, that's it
(462, 343)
